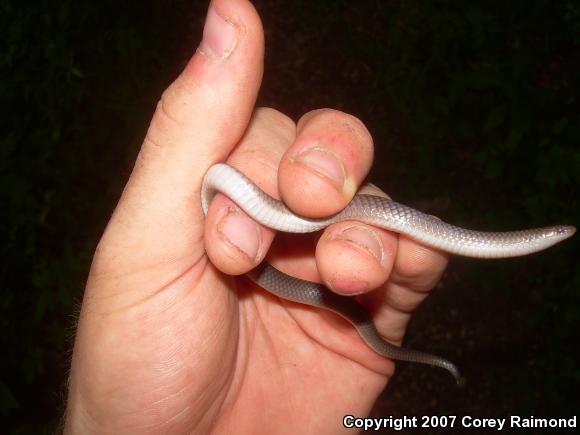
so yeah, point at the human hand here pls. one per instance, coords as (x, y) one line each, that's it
(168, 341)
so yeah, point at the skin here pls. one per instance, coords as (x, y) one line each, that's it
(168, 341)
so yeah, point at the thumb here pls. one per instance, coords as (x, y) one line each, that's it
(199, 119)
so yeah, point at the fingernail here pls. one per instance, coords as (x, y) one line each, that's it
(349, 287)
(219, 36)
(365, 238)
(325, 163)
(242, 233)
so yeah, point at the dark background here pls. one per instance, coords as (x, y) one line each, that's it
(475, 113)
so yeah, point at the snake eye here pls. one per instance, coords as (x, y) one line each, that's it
(563, 230)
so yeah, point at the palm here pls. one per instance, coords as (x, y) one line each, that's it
(289, 361)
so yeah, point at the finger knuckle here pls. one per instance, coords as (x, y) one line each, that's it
(275, 117)
(419, 268)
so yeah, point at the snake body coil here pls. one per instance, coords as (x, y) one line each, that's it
(379, 212)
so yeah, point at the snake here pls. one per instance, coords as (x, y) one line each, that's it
(380, 212)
